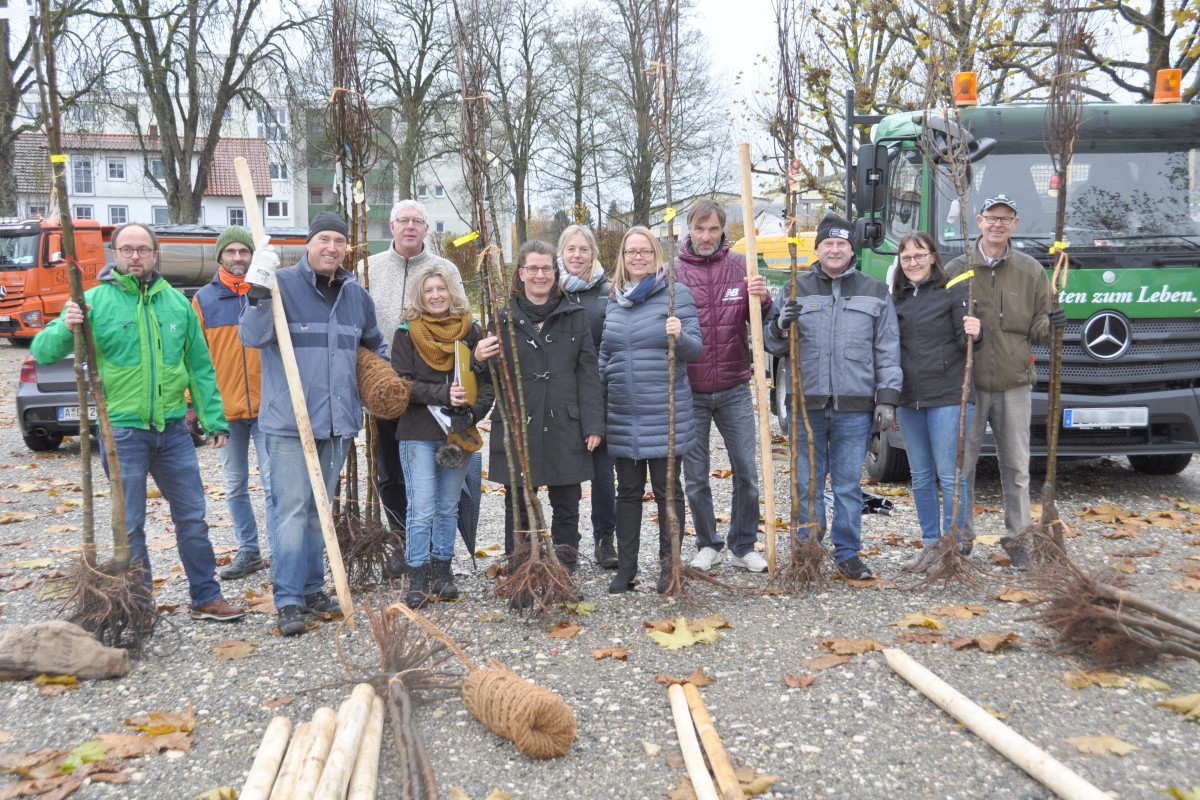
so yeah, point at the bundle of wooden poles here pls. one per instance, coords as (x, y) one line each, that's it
(333, 756)
(692, 719)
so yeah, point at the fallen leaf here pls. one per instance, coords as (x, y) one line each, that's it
(1102, 745)
(827, 661)
(684, 636)
(995, 712)
(1151, 684)
(960, 611)
(583, 608)
(491, 616)
(919, 637)
(563, 630)
(159, 722)
(62, 528)
(852, 647)
(136, 745)
(1186, 704)
(1120, 532)
(85, 753)
(987, 642)
(915, 619)
(1104, 512)
(988, 539)
(1183, 794)
(759, 784)
(1010, 595)
(684, 791)
(1186, 585)
(56, 680)
(1081, 679)
(34, 563)
(234, 650)
(721, 473)
(54, 591)
(1189, 507)
(615, 653)
(1126, 566)
(799, 681)
(220, 793)
(698, 678)
(278, 702)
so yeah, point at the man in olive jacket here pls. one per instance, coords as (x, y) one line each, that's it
(1012, 301)
(150, 350)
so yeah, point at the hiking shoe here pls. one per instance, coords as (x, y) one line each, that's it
(245, 562)
(1018, 554)
(606, 551)
(218, 610)
(854, 568)
(321, 603)
(291, 621)
(965, 546)
(441, 583)
(706, 557)
(751, 562)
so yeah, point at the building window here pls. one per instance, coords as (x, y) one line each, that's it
(237, 216)
(157, 170)
(33, 109)
(439, 191)
(84, 113)
(116, 168)
(84, 212)
(37, 211)
(131, 117)
(440, 226)
(118, 215)
(160, 216)
(277, 209)
(81, 175)
(316, 196)
(271, 123)
(279, 172)
(422, 190)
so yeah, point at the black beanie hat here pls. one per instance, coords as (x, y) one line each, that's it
(327, 221)
(832, 226)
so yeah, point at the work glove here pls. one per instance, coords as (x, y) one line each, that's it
(261, 272)
(788, 314)
(885, 415)
(1058, 318)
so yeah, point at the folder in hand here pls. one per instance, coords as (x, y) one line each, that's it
(463, 375)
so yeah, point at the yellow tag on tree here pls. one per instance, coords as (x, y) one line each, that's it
(470, 237)
(669, 214)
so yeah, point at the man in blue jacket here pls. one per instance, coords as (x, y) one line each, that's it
(329, 316)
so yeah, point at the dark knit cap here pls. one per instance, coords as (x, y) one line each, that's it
(234, 233)
(327, 221)
(832, 226)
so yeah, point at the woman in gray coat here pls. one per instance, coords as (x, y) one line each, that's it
(633, 366)
(561, 382)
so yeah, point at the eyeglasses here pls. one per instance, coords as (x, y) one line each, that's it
(915, 258)
(988, 219)
(130, 252)
(638, 253)
(536, 270)
(404, 222)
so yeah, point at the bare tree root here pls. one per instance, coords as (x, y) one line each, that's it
(805, 569)
(534, 582)
(1045, 553)
(945, 564)
(365, 546)
(111, 602)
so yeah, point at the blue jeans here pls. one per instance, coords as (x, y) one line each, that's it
(841, 444)
(931, 441)
(170, 457)
(433, 495)
(235, 464)
(298, 552)
(604, 492)
(733, 411)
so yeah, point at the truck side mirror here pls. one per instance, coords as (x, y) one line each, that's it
(54, 249)
(871, 177)
(868, 232)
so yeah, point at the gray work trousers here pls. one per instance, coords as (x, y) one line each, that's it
(1009, 413)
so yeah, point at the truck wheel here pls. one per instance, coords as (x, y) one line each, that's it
(42, 443)
(885, 462)
(21, 341)
(1168, 464)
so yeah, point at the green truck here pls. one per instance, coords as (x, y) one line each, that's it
(1131, 350)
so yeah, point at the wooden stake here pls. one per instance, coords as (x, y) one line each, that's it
(1043, 767)
(760, 365)
(364, 778)
(289, 772)
(303, 424)
(267, 760)
(731, 787)
(324, 725)
(692, 757)
(335, 779)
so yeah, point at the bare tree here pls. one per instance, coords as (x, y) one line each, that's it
(190, 59)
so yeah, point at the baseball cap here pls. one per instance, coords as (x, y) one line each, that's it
(999, 200)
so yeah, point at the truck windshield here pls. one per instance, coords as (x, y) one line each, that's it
(18, 251)
(1123, 198)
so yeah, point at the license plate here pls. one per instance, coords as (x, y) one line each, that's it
(5, 318)
(1081, 418)
(67, 413)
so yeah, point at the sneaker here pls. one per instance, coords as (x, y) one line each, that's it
(321, 603)
(291, 621)
(965, 546)
(705, 558)
(218, 610)
(245, 562)
(854, 568)
(1018, 555)
(751, 562)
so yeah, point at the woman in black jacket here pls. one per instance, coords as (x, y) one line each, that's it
(561, 383)
(934, 326)
(582, 277)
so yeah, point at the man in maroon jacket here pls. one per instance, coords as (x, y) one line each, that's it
(720, 389)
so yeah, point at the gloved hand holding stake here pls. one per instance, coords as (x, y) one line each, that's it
(788, 314)
(1058, 318)
(885, 415)
(261, 272)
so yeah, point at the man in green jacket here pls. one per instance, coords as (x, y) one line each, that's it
(1012, 301)
(150, 350)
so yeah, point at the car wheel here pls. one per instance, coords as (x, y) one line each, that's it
(1167, 464)
(886, 463)
(42, 443)
(21, 341)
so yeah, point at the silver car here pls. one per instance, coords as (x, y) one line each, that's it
(48, 404)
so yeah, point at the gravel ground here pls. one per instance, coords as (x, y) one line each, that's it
(859, 730)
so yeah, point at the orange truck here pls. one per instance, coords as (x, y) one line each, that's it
(33, 272)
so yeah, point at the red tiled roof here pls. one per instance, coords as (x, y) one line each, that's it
(33, 167)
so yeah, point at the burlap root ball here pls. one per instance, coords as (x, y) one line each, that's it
(538, 721)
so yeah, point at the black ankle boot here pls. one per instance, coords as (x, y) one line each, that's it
(606, 552)
(623, 580)
(418, 587)
(442, 583)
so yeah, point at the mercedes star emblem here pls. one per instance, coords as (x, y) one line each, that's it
(1107, 335)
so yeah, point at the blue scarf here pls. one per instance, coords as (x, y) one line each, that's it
(629, 296)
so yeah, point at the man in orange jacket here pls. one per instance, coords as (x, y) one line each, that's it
(238, 377)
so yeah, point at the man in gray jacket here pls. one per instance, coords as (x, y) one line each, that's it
(850, 360)
(325, 305)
